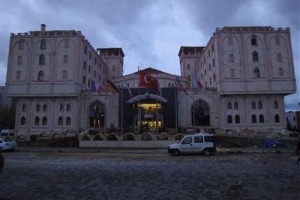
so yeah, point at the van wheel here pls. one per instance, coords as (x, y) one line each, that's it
(206, 152)
(176, 152)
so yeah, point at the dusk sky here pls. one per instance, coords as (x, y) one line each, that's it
(150, 32)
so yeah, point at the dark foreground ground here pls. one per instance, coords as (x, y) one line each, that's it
(152, 175)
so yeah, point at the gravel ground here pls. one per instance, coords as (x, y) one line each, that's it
(108, 175)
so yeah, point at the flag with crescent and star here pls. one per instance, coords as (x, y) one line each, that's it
(148, 81)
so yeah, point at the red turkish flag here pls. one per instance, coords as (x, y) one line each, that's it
(148, 81)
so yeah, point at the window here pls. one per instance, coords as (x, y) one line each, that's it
(230, 41)
(84, 65)
(277, 118)
(83, 80)
(187, 140)
(90, 55)
(23, 121)
(259, 105)
(198, 139)
(24, 108)
(276, 104)
(40, 76)
(253, 118)
(188, 66)
(229, 119)
(231, 58)
(37, 121)
(60, 121)
(85, 50)
(68, 121)
(253, 41)
(43, 44)
(68, 107)
(277, 40)
(20, 60)
(229, 105)
(38, 108)
(280, 72)
(42, 60)
(21, 45)
(65, 61)
(67, 44)
(18, 75)
(61, 107)
(44, 121)
(236, 105)
(213, 62)
(65, 75)
(45, 107)
(261, 119)
(232, 73)
(237, 119)
(114, 68)
(279, 57)
(255, 56)
(253, 105)
(256, 72)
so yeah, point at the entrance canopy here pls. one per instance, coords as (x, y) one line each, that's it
(147, 96)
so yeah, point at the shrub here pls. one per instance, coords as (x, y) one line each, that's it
(85, 137)
(112, 136)
(162, 136)
(33, 137)
(98, 137)
(179, 136)
(147, 136)
(128, 136)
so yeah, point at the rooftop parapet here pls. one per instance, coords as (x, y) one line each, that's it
(252, 28)
(47, 33)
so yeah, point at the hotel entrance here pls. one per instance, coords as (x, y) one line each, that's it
(148, 111)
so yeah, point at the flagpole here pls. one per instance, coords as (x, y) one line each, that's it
(138, 106)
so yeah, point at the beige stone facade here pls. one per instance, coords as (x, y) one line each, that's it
(245, 73)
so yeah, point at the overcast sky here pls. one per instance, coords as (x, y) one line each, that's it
(150, 32)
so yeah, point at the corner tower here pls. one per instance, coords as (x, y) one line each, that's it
(113, 58)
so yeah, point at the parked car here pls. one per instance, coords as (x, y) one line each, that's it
(6, 145)
(194, 144)
(272, 143)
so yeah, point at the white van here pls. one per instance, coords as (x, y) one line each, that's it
(7, 133)
(197, 143)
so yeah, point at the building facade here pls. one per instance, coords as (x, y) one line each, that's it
(237, 81)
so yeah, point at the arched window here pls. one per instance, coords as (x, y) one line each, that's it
(253, 105)
(229, 119)
(237, 119)
(42, 59)
(68, 107)
(229, 106)
(60, 121)
(259, 105)
(43, 44)
(230, 41)
(61, 107)
(236, 105)
(40, 76)
(277, 120)
(23, 121)
(24, 108)
(68, 121)
(38, 108)
(37, 121)
(255, 56)
(279, 57)
(253, 119)
(261, 119)
(45, 108)
(276, 104)
(256, 72)
(66, 45)
(44, 121)
(253, 40)
(21, 45)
